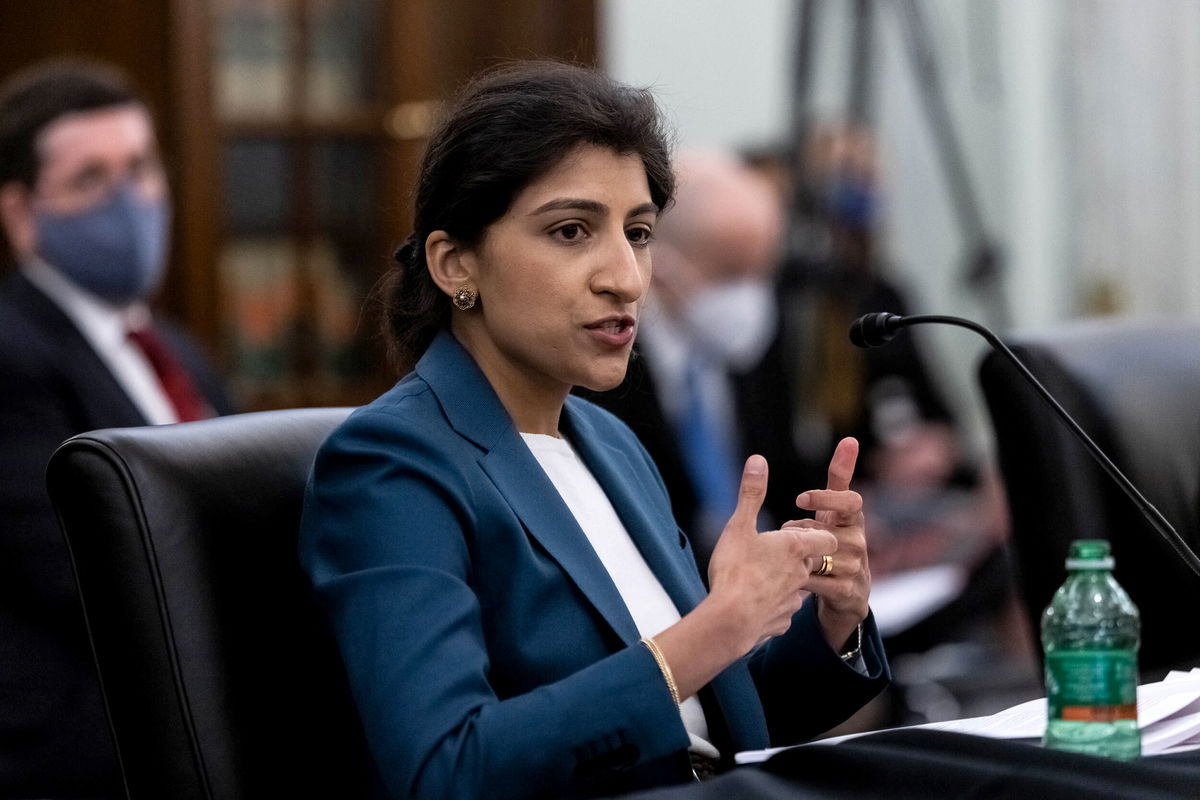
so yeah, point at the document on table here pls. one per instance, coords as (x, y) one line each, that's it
(1168, 714)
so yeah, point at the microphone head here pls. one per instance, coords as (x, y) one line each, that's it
(872, 330)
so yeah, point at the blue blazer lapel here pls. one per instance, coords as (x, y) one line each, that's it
(654, 532)
(475, 412)
(533, 498)
(655, 535)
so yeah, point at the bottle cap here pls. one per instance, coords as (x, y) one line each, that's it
(1090, 554)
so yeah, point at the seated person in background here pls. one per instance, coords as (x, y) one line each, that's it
(517, 610)
(706, 386)
(929, 504)
(83, 203)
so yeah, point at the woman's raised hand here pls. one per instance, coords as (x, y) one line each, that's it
(759, 578)
(758, 581)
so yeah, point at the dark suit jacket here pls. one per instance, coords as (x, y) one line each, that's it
(54, 740)
(488, 650)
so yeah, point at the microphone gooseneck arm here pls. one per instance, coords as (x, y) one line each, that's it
(872, 330)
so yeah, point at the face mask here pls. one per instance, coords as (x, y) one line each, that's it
(733, 322)
(852, 201)
(116, 251)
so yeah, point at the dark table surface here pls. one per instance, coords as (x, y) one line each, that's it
(923, 764)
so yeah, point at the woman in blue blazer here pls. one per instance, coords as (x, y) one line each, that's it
(513, 627)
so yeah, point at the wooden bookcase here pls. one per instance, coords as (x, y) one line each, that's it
(292, 130)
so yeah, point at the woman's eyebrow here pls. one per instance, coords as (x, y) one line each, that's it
(571, 204)
(591, 206)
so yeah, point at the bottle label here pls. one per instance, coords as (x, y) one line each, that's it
(1091, 685)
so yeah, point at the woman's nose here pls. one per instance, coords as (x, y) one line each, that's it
(624, 271)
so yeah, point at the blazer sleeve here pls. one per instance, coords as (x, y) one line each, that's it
(385, 540)
(805, 687)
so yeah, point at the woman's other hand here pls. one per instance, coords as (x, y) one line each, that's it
(844, 592)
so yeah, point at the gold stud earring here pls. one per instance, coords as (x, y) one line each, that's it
(464, 297)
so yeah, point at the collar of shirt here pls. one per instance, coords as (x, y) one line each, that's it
(671, 352)
(106, 328)
(667, 346)
(102, 324)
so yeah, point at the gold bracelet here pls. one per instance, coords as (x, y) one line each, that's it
(663, 667)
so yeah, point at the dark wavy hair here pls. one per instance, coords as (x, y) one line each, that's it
(507, 128)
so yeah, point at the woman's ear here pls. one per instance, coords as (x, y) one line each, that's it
(450, 263)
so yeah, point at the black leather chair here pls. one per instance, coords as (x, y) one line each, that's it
(1134, 386)
(219, 676)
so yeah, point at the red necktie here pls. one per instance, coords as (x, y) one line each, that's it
(176, 383)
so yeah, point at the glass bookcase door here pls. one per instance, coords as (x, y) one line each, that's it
(253, 48)
(349, 259)
(257, 272)
(341, 36)
(301, 135)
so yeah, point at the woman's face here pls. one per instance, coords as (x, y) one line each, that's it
(562, 277)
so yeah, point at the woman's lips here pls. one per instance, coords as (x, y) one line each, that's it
(613, 331)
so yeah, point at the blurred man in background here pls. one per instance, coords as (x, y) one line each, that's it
(85, 209)
(929, 504)
(934, 513)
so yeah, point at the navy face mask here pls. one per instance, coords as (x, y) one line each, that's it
(852, 201)
(116, 250)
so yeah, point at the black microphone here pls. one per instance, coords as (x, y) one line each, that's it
(872, 330)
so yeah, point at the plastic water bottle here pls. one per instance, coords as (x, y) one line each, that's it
(1090, 636)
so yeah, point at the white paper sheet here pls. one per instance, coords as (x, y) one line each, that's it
(1168, 713)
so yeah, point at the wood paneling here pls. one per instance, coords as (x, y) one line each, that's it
(428, 49)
